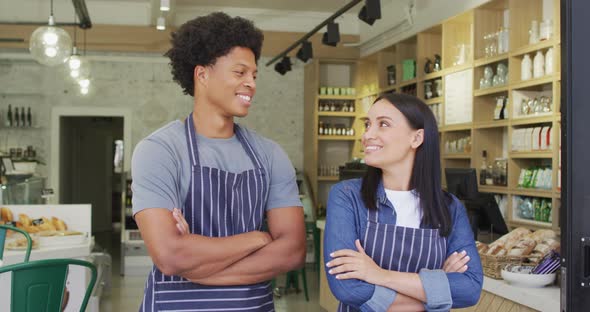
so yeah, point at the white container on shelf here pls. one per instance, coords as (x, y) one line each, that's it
(526, 68)
(549, 61)
(539, 65)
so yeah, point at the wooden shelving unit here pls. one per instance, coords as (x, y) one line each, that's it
(485, 132)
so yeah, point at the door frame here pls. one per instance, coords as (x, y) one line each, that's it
(575, 195)
(83, 111)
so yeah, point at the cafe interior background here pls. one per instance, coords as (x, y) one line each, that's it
(490, 70)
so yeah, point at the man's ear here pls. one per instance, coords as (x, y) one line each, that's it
(418, 138)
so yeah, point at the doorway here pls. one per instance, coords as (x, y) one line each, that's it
(87, 147)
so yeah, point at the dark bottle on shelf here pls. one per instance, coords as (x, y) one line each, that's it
(8, 122)
(29, 117)
(483, 168)
(23, 117)
(16, 120)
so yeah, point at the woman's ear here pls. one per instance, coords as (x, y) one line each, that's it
(201, 74)
(418, 138)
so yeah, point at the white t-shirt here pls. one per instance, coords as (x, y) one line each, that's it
(407, 208)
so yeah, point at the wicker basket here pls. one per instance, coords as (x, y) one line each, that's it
(493, 265)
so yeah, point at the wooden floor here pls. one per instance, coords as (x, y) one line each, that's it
(489, 302)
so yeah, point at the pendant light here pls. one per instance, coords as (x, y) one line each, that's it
(77, 64)
(84, 78)
(50, 45)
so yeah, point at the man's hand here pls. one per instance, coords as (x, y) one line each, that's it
(184, 229)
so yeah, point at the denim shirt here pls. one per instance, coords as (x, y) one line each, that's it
(347, 221)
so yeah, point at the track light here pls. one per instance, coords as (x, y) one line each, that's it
(370, 12)
(306, 51)
(332, 36)
(283, 66)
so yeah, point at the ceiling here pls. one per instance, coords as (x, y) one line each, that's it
(288, 5)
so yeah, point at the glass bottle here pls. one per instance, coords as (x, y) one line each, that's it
(23, 117)
(483, 168)
(8, 122)
(16, 119)
(29, 117)
(549, 61)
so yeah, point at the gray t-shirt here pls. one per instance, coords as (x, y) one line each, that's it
(161, 167)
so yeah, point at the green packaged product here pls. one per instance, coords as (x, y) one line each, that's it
(537, 209)
(528, 174)
(521, 178)
(534, 177)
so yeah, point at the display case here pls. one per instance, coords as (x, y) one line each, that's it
(22, 191)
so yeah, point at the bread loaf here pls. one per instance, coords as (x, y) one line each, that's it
(6, 214)
(541, 235)
(59, 224)
(523, 247)
(496, 250)
(24, 219)
(481, 247)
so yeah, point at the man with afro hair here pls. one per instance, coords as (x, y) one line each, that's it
(203, 188)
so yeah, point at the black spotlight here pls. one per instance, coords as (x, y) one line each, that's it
(286, 62)
(332, 36)
(370, 12)
(283, 66)
(306, 52)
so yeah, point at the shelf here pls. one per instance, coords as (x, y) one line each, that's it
(364, 95)
(488, 91)
(532, 82)
(435, 100)
(22, 128)
(337, 97)
(457, 68)
(532, 155)
(538, 224)
(491, 124)
(337, 114)
(457, 156)
(433, 75)
(328, 178)
(489, 60)
(532, 120)
(408, 82)
(388, 89)
(457, 127)
(531, 192)
(533, 47)
(493, 189)
(336, 138)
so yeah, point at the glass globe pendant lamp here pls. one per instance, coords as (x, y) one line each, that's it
(78, 65)
(50, 45)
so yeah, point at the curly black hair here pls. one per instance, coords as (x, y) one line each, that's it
(204, 39)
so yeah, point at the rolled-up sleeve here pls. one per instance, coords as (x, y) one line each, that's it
(437, 289)
(340, 233)
(465, 287)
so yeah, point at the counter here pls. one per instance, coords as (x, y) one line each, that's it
(497, 295)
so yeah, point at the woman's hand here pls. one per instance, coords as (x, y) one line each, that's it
(181, 223)
(456, 262)
(347, 264)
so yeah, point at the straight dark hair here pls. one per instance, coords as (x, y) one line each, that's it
(426, 174)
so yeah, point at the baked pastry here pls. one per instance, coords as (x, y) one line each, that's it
(523, 248)
(516, 236)
(482, 248)
(541, 235)
(24, 219)
(59, 224)
(6, 214)
(496, 250)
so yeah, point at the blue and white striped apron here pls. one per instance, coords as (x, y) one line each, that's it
(219, 203)
(401, 249)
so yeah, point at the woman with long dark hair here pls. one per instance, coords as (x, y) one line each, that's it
(394, 240)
